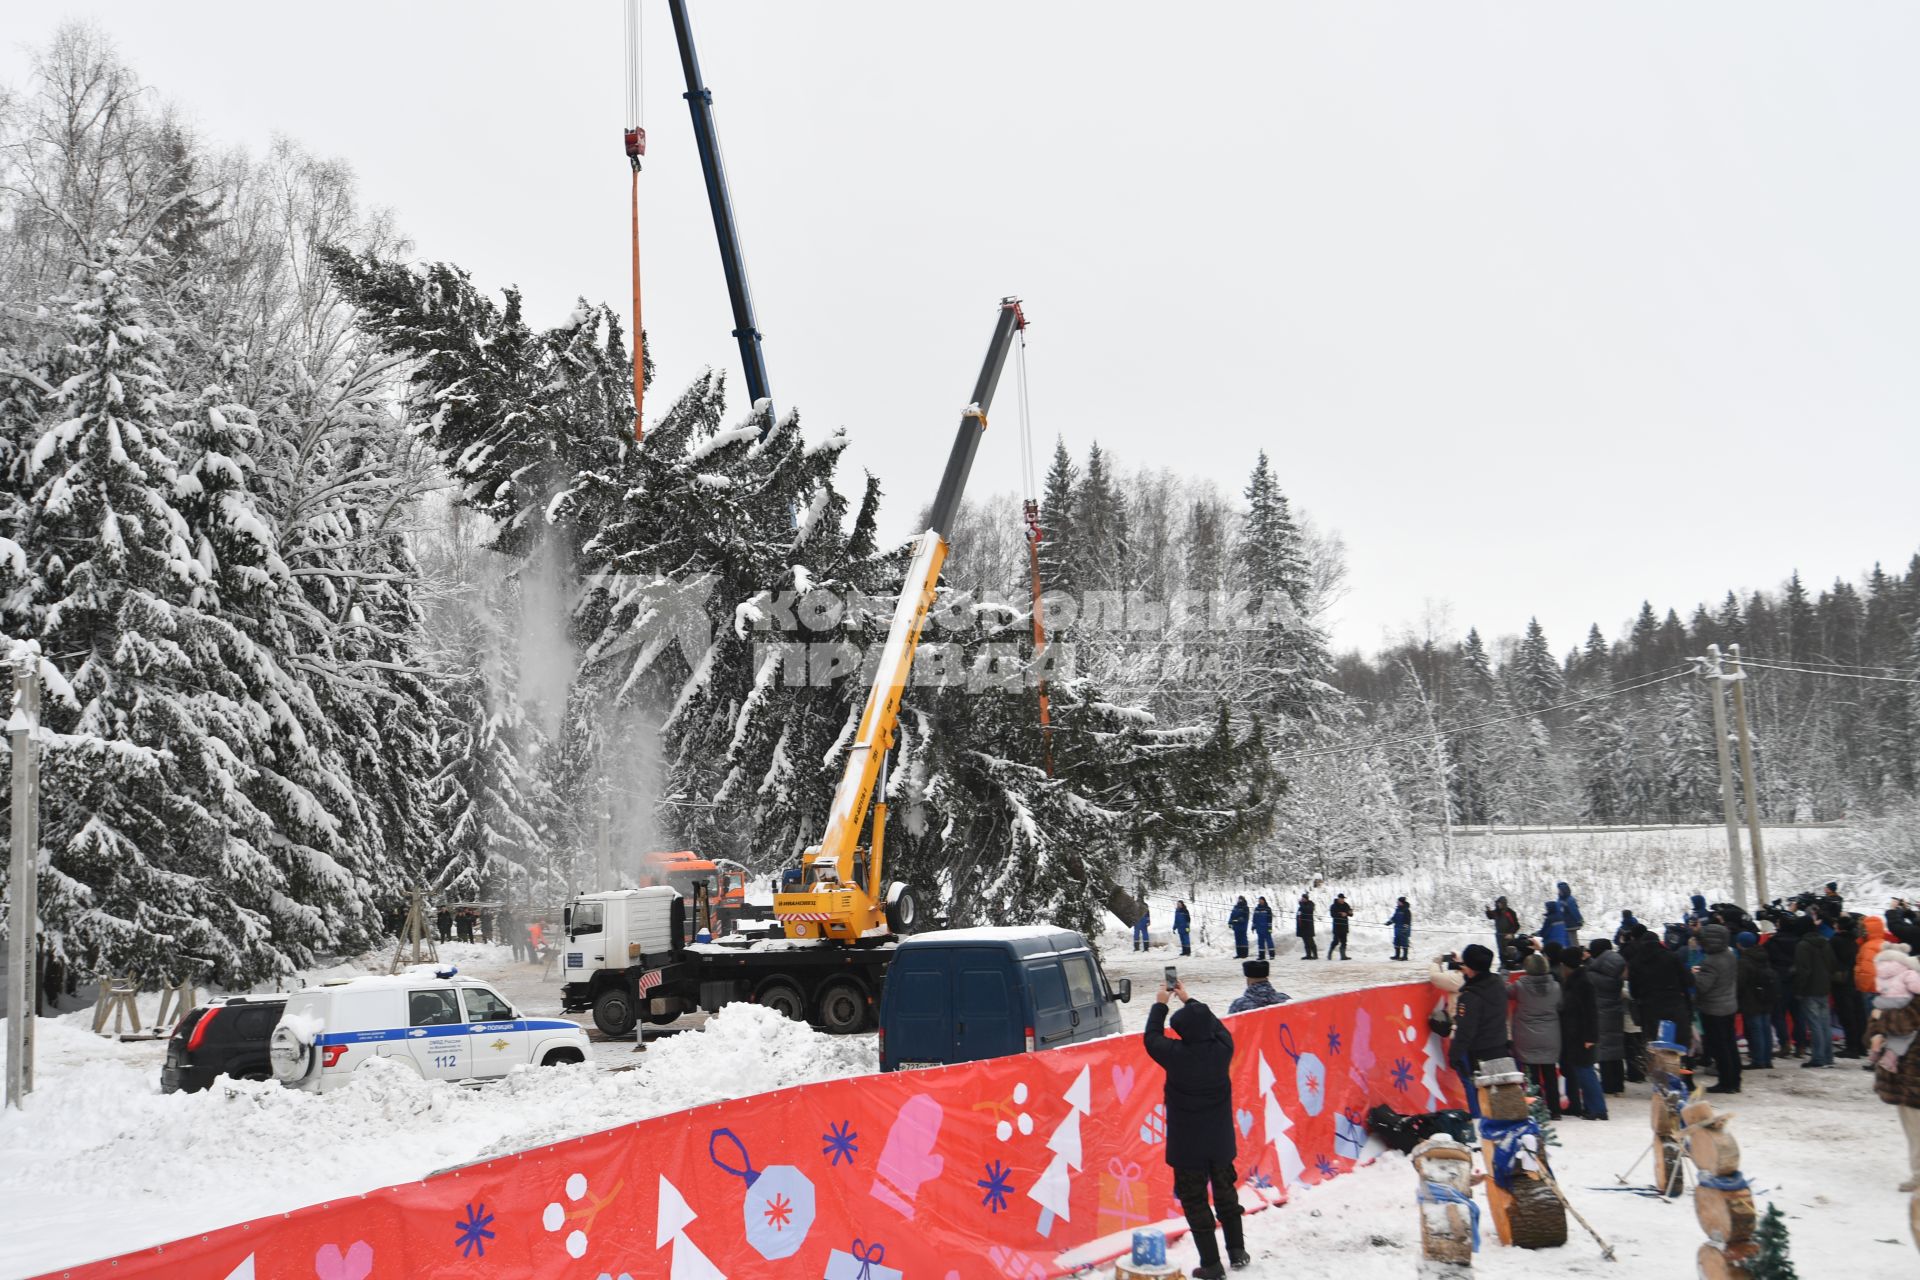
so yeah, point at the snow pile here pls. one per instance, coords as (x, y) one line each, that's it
(745, 1049)
(98, 1131)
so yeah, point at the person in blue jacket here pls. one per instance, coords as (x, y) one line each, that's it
(1627, 925)
(1237, 921)
(1183, 926)
(1263, 929)
(1553, 929)
(1570, 914)
(1402, 922)
(1140, 941)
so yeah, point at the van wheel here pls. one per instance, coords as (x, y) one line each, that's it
(783, 998)
(903, 909)
(293, 1059)
(843, 1009)
(562, 1057)
(613, 1013)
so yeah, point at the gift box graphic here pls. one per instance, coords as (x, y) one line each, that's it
(864, 1262)
(1123, 1197)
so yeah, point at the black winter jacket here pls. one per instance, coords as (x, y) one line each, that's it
(1812, 966)
(1579, 1020)
(1657, 980)
(1199, 1092)
(1480, 1019)
(1759, 988)
(1607, 975)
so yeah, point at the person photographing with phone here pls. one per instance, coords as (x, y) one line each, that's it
(1200, 1139)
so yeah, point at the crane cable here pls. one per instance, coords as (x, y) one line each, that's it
(1031, 510)
(634, 137)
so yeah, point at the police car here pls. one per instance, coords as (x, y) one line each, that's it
(444, 1026)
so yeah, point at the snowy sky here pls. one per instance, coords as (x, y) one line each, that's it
(1544, 308)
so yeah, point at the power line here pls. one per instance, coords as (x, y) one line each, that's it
(1484, 724)
(1836, 675)
(1816, 663)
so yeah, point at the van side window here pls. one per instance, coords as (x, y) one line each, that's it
(1080, 981)
(1049, 985)
(587, 918)
(484, 1006)
(432, 1008)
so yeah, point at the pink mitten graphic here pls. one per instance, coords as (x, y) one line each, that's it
(1361, 1056)
(356, 1265)
(907, 1159)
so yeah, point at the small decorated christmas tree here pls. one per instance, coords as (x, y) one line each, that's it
(1773, 1262)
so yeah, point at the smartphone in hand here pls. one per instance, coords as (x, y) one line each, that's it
(1173, 977)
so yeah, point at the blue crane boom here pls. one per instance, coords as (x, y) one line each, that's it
(706, 138)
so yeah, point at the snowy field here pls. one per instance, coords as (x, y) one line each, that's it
(98, 1133)
(1649, 871)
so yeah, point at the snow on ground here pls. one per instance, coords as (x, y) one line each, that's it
(98, 1132)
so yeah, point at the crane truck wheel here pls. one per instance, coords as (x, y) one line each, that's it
(783, 998)
(613, 1013)
(903, 909)
(843, 1009)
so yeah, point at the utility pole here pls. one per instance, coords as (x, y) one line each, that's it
(23, 920)
(1717, 682)
(1738, 679)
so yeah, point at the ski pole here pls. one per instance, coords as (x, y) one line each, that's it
(1606, 1250)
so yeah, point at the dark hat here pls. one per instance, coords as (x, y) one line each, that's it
(1256, 968)
(1477, 957)
(1747, 939)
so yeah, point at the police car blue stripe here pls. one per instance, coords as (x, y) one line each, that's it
(444, 1029)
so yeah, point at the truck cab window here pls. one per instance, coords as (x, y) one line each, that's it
(588, 917)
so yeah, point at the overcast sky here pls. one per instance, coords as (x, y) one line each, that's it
(1543, 308)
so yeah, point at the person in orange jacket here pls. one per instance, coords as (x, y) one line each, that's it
(1873, 937)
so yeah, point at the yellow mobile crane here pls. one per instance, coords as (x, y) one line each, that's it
(837, 892)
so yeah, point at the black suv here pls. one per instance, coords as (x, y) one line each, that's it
(226, 1038)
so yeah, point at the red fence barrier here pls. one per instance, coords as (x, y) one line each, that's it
(987, 1169)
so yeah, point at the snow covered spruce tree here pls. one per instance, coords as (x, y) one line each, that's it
(195, 466)
(149, 829)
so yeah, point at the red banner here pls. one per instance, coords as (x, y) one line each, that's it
(1011, 1167)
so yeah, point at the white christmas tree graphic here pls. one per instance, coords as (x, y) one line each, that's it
(1430, 1072)
(1286, 1155)
(671, 1220)
(1053, 1191)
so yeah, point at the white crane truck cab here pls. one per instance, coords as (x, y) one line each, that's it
(624, 955)
(440, 1025)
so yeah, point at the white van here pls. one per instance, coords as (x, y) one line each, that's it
(443, 1026)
